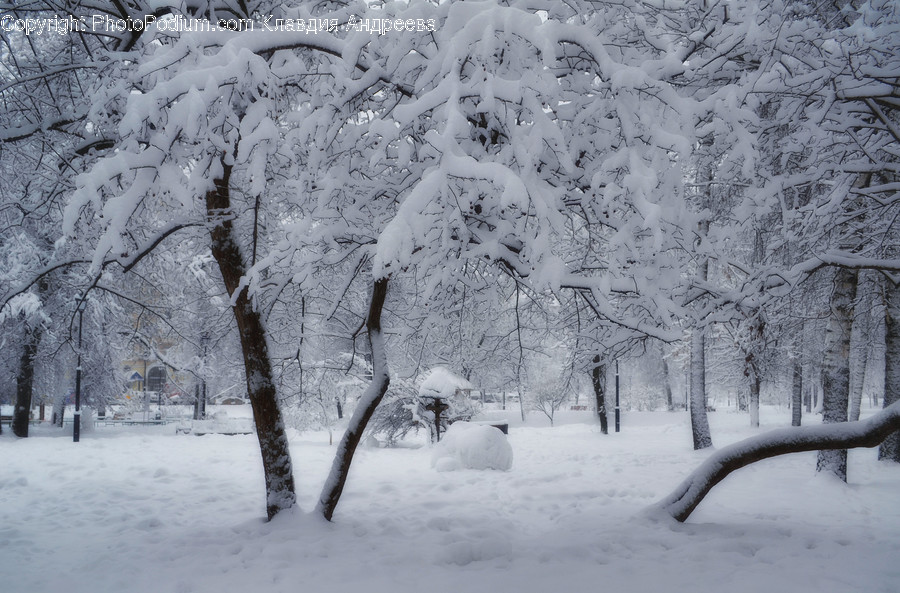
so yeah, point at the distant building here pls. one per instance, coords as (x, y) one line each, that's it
(145, 373)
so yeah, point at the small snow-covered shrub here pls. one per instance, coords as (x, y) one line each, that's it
(393, 419)
(472, 446)
(403, 410)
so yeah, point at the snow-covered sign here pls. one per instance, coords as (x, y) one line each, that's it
(440, 382)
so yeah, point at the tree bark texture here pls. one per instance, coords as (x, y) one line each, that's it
(754, 394)
(25, 374)
(25, 381)
(273, 442)
(890, 449)
(860, 337)
(340, 467)
(836, 369)
(598, 380)
(699, 419)
(796, 392)
(868, 433)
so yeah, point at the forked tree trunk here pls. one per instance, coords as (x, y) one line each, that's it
(868, 433)
(598, 380)
(273, 442)
(343, 457)
(836, 369)
(890, 449)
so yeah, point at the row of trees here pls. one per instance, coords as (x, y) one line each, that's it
(603, 177)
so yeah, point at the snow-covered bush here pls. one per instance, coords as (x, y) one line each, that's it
(451, 389)
(404, 408)
(472, 446)
(397, 414)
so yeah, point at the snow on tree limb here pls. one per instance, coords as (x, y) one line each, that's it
(866, 433)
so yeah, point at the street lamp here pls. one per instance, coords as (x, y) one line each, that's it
(76, 425)
(617, 396)
(204, 343)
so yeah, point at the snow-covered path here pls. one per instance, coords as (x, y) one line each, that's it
(143, 510)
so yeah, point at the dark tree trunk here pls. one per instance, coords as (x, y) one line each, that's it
(25, 375)
(598, 379)
(797, 393)
(890, 449)
(340, 467)
(273, 442)
(836, 370)
(25, 381)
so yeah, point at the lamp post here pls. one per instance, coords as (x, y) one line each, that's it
(617, 396)
(204, 342)
(76, 424)
(144, 399)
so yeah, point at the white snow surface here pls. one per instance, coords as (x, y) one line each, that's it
(221, 423)
(472, 446)
(141, 510)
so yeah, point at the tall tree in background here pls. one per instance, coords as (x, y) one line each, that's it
(890, 449)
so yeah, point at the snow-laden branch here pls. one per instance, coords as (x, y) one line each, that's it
(126, 262)
(846, 435)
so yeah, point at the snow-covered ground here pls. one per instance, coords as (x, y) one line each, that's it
(141, 509)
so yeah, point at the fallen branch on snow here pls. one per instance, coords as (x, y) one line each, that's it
(845, 435)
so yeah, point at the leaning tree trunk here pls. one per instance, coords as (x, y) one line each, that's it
(273, 442)
(340, 467)
(890, 449)
(699, 420)
(868, 433)
(836, 368)
(598, 380)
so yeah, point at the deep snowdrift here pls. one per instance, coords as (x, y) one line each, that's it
(141, 510)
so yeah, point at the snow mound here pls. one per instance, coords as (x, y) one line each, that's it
(472, 446)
